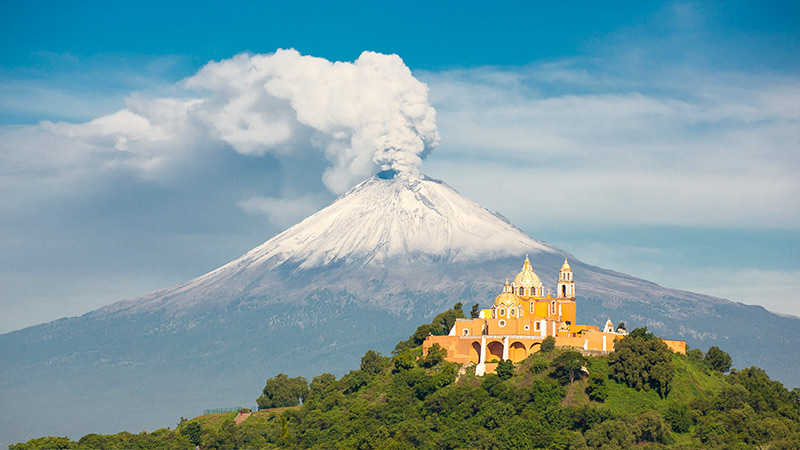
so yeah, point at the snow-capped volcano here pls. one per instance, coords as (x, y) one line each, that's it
(389, 219)
(360, 274)
(389, 216)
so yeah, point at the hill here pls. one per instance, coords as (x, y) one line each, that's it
(546, 401)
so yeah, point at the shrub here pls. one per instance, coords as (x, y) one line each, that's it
(505, 369)
(642, 361)
(568, 366)
(678, 418)
(597, 390)
(373, 362)
(436, 354)
(548, 344)
(404, 360)
(283, 391)
(718, 360)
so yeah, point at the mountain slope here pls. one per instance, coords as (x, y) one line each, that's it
(386, 221)
(359, 274)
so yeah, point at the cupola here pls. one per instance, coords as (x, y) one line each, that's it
(527, 283)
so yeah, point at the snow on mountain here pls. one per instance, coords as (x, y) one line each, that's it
(388, 218)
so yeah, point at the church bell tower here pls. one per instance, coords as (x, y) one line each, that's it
(566, 284)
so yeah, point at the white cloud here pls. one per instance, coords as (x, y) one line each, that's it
(357, 117)
(283, 212)
(704, 152)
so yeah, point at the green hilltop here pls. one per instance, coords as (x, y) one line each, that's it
(640, 396)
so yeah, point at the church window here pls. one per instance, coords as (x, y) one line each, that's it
(553, 308)
(563, 290)
(527, 327)
(537, 326)
(502, 323)
(512, 312)
(501, 312)
(466, 332)
(532, 309)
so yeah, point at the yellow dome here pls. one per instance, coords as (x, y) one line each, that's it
(566, 265)
(507, 297)
(527, 277)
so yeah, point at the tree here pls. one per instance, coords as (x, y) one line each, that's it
(48, 442)
(193, 431)
(642, 361)
(475, 312)
(373, 362)
(505, 369)
(678, 418)
(597, 390)
(404, 360)
(548, 344)
(435, 355)
(321, 384)
(568, 366)
(718, 360)
(283, 391)
(695, 355)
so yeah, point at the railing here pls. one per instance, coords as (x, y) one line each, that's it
(226, 410)
(502, 336)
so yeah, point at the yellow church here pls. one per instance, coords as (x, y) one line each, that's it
(522, 316)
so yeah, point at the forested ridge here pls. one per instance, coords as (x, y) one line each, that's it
(640, 396)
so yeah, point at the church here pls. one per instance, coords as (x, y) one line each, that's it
(520, 318)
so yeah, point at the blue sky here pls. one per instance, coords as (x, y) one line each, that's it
(659, 139)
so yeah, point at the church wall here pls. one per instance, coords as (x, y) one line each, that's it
(676, 346)
(515, 337)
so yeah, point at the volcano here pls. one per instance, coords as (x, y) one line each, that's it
(360, 274)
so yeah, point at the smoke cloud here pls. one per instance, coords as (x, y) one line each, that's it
(355, 117)
(364, 115)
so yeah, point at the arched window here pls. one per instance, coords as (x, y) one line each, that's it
(553, 307)
(501, 312)
(512, 312)
(521, 291)
(532, 309)
(563, 290)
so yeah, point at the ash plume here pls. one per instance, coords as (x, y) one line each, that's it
(371, 112)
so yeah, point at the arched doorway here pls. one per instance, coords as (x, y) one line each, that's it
(494, 351)
(536, 346)
(517, 352)
(475, 352)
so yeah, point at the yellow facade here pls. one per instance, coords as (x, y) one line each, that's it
(519, 320)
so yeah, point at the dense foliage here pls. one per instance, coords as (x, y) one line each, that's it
(559, 399)
(283, 391)
(642, 361)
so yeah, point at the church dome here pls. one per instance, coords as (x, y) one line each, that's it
(507, 297)
(566, 265)
(527, 277)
